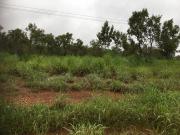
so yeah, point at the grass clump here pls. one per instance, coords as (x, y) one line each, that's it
(81, 69)
(118, 86)
(93, 82)
(75, 86)
(54, 83)
(87, 129)
(60, 102)
(59, 68)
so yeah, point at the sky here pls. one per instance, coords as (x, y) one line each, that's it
(85, 29)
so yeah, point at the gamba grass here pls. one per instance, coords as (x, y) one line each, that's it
(153, 85)
(41, 72)
(153, 110)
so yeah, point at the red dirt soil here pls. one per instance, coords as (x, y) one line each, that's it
(25, 96)
(48, 97)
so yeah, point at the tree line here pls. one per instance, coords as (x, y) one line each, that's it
(146, 36)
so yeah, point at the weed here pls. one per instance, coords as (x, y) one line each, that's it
(87, 129)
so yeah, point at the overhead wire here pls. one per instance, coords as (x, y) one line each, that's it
(62, 14)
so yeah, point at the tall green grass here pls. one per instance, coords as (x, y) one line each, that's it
(123, 74)
(152, 110)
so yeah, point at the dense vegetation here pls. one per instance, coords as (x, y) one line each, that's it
(146, 36)
(133, 64)
(120, 74)
(153, 104)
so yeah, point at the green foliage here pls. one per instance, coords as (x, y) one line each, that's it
(105, 36)
(138, 28)
(145, 37)
(170, 38)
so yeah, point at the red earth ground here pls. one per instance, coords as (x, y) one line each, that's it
(26, 96)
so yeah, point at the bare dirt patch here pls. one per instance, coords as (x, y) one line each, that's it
(26, 96)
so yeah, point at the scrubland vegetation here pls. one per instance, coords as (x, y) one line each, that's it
(140, 65)
(151, 92)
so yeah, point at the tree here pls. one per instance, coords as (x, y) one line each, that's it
(145, 31)
(1, 27)
(169, 39)
(96, 48)
(138, 28)
(3, 40)
(18, 41)
(120, 41)
(153, 32)
(79, 48)
(49, 43)
(36, 38)
(105, 36)
(65, 42)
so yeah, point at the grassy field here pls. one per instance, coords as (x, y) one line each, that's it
(150, 102)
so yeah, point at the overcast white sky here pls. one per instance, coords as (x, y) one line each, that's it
(84, 29)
